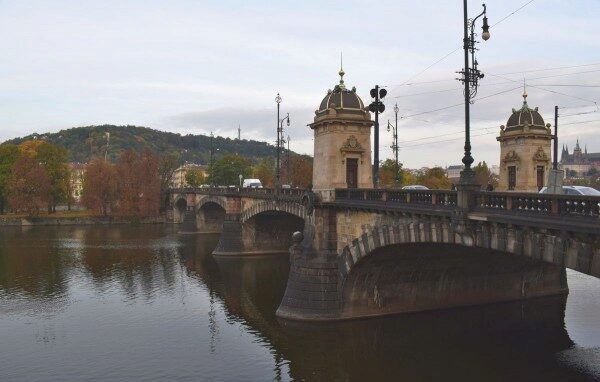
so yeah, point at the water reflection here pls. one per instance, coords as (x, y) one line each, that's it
(517, 341)
(96, 293)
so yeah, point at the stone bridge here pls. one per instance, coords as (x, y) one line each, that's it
(371, 252)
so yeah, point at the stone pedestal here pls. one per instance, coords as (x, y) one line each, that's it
(312, 292)
(230, 241)
(189, 222)
(555, 181)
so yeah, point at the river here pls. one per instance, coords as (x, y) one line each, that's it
(148, 304)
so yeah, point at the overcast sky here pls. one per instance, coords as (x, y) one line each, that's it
(201, 66)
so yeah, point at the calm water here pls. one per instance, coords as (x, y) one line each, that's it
(131, 304)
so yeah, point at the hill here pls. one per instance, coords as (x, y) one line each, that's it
(86, 142)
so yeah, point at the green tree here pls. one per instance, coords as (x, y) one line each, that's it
(8, 157)
(387, 173)
(226, 170)
(484, 176)
(195, 177)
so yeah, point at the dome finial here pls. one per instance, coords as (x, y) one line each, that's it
(341, 72)
(524, 92)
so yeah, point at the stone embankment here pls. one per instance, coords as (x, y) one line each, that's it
(86, 220)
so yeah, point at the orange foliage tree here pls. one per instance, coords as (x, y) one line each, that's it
(138, 184)
(28, 186)
(301, 171)
(100, 186)
(435, 178)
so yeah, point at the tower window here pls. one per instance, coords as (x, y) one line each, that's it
(512, 177)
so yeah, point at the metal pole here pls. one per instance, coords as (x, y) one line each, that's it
(212, 155)
(397, 176)
(376, 142)
(277, 182)
(555, 163)
(467, 159)
(288, 161)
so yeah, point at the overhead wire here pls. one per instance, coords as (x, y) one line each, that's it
(455, 50)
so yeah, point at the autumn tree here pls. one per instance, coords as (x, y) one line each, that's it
(28, 186)
(227, 169)
(8, 157)
(435, 178)
(265, 172)
(100, 187)
(194, 177)
(54, 160)
(138, 184)
(167, 164)
(301, 169)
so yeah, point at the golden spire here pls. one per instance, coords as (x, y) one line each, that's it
(341, 72)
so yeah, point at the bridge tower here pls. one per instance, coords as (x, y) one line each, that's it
(342, 136)
(524, 150)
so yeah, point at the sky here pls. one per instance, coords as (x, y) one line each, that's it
(202, 66)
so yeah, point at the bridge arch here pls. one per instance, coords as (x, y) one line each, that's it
(290, 208)
(211, 212)
(544, 245)
(211, 199)
(426, 265)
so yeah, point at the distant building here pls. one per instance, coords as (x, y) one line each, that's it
(76, 181)
(453, 172)
(579, 163)
(495, 169)
(179, 174)
(524, 150)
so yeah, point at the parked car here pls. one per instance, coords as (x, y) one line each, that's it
(286, 186)
(415, 187)
(575, 190)
(252, 183)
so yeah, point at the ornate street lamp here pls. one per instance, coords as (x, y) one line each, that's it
(395, 146)
(470, 77)
(279, 141)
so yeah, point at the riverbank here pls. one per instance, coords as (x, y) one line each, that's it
(75, 218)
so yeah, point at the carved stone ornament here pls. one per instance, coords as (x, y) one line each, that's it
(352, 146)
(540, 155)
(511, 156)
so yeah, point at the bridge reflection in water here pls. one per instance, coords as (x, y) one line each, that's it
(94, 303)
(498, 342)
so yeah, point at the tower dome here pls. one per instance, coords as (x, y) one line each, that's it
(341, 98)
(525, 117)
(524, 150)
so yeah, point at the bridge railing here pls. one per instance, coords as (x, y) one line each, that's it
(434, 198)
(294, 194)
(544, 204)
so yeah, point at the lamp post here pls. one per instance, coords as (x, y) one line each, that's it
(376, 107)
(555, 161)
(288, 161)
(395, 144)
(470, 77)
(279, 138)
(212, 157)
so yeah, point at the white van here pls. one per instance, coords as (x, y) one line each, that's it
(252, 183)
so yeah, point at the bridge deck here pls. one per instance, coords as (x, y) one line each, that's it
(573, 212)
